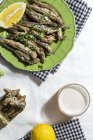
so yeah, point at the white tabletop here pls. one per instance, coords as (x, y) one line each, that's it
(41, 105)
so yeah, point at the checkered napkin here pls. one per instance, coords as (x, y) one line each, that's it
(81, 12)
(70, 130)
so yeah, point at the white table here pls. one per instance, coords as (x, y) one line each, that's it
(76, 68)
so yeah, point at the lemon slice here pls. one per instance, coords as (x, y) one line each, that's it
(12, 14)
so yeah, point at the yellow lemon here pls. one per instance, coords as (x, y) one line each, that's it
(12, 14)
(43, 132)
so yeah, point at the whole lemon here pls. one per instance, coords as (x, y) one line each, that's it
(43, 132)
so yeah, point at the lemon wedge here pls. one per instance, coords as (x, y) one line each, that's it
(43, 132)
(12, 14)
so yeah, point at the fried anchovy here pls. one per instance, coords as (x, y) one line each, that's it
(37, 17)
(36, 48)
(47, 39)
(32, 47)
(45, 5)
(15, 45)
(39, 27)
(25, 17)
(20, 28)
(19, 46)
(14, 31)
(37, 41)
(59, 34)
(23, 56)
(45, 46)
(32, 53)
(47, 10)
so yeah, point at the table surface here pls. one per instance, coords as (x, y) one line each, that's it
(40, 96)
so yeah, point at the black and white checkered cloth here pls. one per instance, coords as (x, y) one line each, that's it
(81, 12)
(70, 130)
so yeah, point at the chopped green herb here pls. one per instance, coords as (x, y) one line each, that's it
(31, 28)
(33, 38)
(40, 67)
(5, 34)
(41, 34)
(24, 38)
(28, 0)
(43, 17)
(1, 73)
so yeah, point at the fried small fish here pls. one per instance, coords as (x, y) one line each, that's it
(40, 18)
(25, 17)
(20, 28)
(13, 31)
(59, 34)
(45, 5)
(32, 45)
(45, 46)
(17, 27)
(23, 55)
(46, 39)
(15, 45)
(47, 10)
(39, 27)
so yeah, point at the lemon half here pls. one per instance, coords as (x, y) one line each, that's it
(12, 14)
(43, 132)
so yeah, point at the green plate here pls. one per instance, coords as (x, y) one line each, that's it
(61, 49)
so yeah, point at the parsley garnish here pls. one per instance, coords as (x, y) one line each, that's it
(1, 73)
(24, 38)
